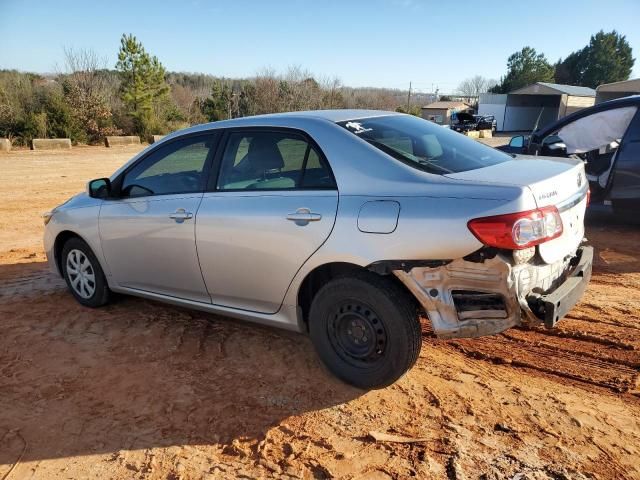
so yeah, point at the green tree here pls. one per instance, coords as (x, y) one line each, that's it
(568, 71)
(143, 81)
(524, 68)
(607, 58)
(218, 105)
(414, 110)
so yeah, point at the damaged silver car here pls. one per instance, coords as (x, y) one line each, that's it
(348, 225)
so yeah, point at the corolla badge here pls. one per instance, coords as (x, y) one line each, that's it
(544, 196)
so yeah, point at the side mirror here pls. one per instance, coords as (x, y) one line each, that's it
(99, 188)
(517, 142)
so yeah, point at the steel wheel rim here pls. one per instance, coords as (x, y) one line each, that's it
(82, 276)
(357, 334)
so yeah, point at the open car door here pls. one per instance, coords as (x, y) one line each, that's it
(608, 140)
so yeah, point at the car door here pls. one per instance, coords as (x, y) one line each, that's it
(596, 138)
(148, 231)
(270, 207)
(625, 181)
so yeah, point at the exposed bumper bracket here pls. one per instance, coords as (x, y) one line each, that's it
(558, 303)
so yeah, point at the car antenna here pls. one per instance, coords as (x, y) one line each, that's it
(535, 126)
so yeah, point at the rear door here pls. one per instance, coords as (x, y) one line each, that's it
(148, 233)
(270, 207)
(625, 182)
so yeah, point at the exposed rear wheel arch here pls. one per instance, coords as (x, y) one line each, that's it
(365, 329)
(323, 274)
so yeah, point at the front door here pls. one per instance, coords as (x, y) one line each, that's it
(148, 233)
(273, 205)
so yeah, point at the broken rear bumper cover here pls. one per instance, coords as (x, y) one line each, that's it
(555, 305)
(474, 298)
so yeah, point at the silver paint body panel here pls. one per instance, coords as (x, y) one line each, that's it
(147, 250)
(249, 251)
(380, 216)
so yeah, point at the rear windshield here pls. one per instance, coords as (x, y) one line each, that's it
(424, 145)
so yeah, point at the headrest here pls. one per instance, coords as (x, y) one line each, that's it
(264, 153)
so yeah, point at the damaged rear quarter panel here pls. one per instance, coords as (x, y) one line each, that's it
(432, 225)
(515, 283)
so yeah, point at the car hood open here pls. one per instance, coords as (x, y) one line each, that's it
(465, 117)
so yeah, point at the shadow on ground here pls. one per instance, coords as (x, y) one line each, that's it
(139, 374)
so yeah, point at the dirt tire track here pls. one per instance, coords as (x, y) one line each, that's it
(547, 359)
(592, 347)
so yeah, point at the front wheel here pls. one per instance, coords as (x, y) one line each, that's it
(83, 274)
(365, 329)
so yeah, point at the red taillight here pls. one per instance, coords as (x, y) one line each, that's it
(515, 231)
(588, 196)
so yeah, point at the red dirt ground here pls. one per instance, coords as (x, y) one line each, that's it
(147, 391)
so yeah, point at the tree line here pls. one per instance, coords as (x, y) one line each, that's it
(86, 101)
(607, 58)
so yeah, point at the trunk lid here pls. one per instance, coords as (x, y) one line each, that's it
(552, 181)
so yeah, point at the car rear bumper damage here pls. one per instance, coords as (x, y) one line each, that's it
(487, 294)
(555, 305)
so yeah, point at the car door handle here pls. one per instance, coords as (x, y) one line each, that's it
(180, 215)
(302, 216)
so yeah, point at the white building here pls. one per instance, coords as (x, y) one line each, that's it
(520, 109)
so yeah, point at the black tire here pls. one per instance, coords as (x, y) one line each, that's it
(365, 329)
(97, 292)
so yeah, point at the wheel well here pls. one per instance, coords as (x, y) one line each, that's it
(322, 274)
(58, 245)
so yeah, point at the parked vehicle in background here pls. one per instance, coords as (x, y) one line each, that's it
(343, 224)
(606, 137)
(467, 122)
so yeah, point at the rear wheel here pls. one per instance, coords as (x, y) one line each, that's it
(365, 329)
(83, 274)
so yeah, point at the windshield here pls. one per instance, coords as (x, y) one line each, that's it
(423, 144)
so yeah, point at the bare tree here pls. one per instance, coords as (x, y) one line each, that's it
(474, 86)
(86, 88)
(265, 97)
(332, 87)
(84, 67)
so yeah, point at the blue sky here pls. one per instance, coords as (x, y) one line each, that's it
(384, 43)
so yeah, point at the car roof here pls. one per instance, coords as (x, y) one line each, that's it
(337, 115)
(332, 116)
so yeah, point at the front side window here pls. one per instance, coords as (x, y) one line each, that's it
(267, 160)
(178, 167)
(424, 145)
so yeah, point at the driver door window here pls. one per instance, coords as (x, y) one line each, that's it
(178, 167)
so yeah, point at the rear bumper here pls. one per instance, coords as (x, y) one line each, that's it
(553, 306)
(473, 298)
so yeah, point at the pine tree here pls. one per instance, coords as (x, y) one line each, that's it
(524, 68)
(608, 58)
(143, 81)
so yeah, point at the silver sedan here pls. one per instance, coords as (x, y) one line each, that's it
(348, 225)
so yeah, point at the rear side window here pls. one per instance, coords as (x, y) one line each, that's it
(266, 160)
(424, 145)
